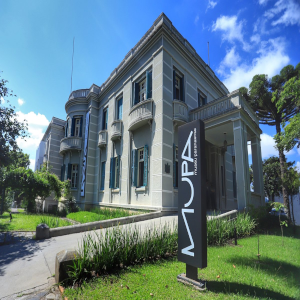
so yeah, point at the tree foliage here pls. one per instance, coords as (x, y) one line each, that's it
(10, 127)
(265, 97)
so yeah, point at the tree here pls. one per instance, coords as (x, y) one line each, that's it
(263, 96)
(10, 127)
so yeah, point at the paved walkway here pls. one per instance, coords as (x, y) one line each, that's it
(29, 265)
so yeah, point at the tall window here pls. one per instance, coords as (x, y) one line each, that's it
(202, 99)
(104, 119)
(117, 172)
(142, 90)
(119, 109)
(102, 176)
(140, 167)
(175, 166)
(77, 127)
(178, 86)
(74, 176)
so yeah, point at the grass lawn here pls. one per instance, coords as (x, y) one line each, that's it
(28, 222)
(233, 272)
(101, 214)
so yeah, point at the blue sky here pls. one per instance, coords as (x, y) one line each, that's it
(245, 38)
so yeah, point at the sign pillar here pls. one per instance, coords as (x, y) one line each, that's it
(192, 236)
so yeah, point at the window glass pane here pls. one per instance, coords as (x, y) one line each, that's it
(142, 93)
(74, 176)
(102, 175)
(120, 109)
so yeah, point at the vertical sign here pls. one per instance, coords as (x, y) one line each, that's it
(85, 150)
(192, 239)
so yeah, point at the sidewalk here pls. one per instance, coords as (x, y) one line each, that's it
(30, 264)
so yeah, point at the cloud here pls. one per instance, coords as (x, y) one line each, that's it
(230, 60)
(21, 101)
(268, 147)
(255, 38)
(2, 101)
(298, 150)
(211, 4)
(232, 30)
(271, 59)
(263, 2)
(196, 20)
(288, 12)
(37, 124)
(32, 164)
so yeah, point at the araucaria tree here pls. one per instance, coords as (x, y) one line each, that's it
(263, 96)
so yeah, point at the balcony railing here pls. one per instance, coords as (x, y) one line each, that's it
(116, 129)
(180, 112)
(79, 94)
(70, 143)
(140, 114)
(223, 105)
(102, 141)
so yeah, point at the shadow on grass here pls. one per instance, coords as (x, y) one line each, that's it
(244, 289)
(271, 266)
(5, 224)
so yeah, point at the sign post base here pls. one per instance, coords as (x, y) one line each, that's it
(197, 284)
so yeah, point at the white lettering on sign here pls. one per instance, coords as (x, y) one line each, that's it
(184, 173)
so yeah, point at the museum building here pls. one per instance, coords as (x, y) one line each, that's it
(120, 139)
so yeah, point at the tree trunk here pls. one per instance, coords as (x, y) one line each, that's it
(282, 173)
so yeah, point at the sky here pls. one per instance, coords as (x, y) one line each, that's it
(245, 38)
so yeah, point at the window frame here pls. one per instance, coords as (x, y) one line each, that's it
(74, 172)
(117, 172)
(202, 98)
(102, 182)
(118, 99)
(147, 79)
(140, 172)
(104, 120)
(77, 126)
(180, 87)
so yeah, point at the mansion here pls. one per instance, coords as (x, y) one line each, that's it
(118, 144)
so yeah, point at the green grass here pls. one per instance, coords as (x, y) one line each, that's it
(100, 214)
(28, 222)
(233, 272)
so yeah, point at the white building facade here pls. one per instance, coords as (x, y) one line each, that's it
(120, 139)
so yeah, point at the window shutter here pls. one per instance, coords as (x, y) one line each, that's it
(67, 127)
(182, 88)
(102, 176)
(174, 165)
(69, 171)
(136, 90)
(145, 183)
(73, 127)
(134, 167)
(62, 174)
(174, 89)
(80, 132)
(149, 84)
(112, 173)
(118, 175)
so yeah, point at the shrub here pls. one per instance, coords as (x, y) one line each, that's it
(53, 222)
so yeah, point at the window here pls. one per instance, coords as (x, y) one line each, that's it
(234, 184)
(175, 166)
(74, 176)
(119, 109)
(102, 176)
(77, 127)
(114, 182)
(202, 99)
(142, 90)
(140, 167)
(117, 172)
(67, 128)
(222, 181)
(104, 119)
(62, 173)
(178, 86)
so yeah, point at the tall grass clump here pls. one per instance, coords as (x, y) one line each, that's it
(108, 213)
(100, 253)
(220, 230)
(53, 222)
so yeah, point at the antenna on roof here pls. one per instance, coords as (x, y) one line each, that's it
(208, 52)
(72, 64)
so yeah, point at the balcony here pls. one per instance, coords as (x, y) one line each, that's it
(79, 94)
(224, 105)
(70, 143)
(116, 129)
(102, 142)
(180, 112)
(140, 114)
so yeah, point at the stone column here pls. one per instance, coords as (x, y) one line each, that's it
(257, 166)
(242, 164)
